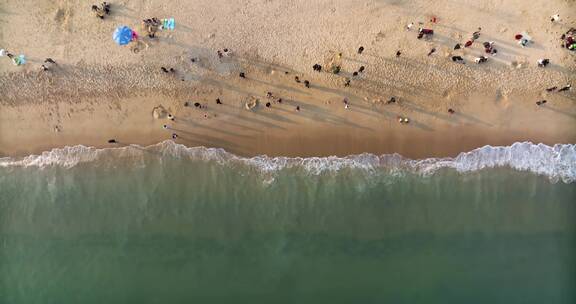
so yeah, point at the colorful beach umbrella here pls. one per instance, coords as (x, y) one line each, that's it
(122, 35)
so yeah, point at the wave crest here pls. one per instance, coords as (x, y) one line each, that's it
(557, 162)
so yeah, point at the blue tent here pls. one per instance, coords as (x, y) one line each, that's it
(122, 35)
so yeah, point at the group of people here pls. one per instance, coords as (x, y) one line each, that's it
(101, 10)
(569, 39)
(151, 26)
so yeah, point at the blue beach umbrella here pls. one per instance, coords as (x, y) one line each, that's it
(122, 35)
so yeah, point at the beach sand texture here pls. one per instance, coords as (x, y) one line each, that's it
(99, 90)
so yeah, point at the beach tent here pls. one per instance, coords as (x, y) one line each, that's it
(122, 35)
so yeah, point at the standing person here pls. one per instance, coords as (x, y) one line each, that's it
(476, 34)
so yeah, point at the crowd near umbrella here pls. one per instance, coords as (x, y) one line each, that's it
(123, 35)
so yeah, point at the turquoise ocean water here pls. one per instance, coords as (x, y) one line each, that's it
(169, 224)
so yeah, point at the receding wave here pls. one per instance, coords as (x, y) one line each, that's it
(557, 162)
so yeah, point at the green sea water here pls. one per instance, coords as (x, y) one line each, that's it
(170, 229)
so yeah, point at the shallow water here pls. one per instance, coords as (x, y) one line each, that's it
(168, 224)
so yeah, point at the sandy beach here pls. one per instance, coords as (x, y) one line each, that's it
(99, 91)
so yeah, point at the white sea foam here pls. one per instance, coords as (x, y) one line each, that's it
(557, 162)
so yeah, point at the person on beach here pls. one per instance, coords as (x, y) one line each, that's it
(218, 102)
(279, 100)
(457, 46)
(361, 69)
(391, 100)
(268, 104)
(112, 141)
(174, 135)
(432, 51)
(543, 62)
(468, 43)
(151, 26)
(451, 111)
(102, 10)
(347, 82)
(409, 26)
(541, 102)
(403, 120)
(424, 32)
(307, 83)
(476, 34)
(551, 89)
(242, 75)
(458, 59)
(297, 79)
(48, 62)
(565, 88)
(398, 53)
(354, 74)
(317, 67)
(481, 59)
(297, 108)
(554, 18)
(360, 50)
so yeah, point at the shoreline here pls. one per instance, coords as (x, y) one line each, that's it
(316, 130)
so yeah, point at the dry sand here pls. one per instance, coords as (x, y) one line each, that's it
(100, 90)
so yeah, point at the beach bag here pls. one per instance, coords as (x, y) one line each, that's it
(168, 24)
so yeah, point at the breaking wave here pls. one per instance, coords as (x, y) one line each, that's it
(557, 162)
